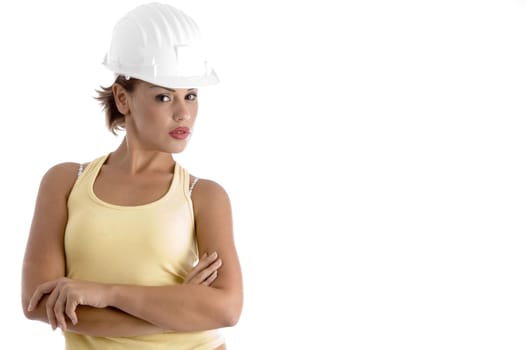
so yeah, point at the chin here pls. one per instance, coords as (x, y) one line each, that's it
(179, 149)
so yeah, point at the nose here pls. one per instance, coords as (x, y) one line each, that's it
(181, 111)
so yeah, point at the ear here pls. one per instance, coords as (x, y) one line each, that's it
(121, 99)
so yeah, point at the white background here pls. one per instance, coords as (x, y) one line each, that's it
(374, 152)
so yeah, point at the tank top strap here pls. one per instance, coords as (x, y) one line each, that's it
(184, 177)
(94, 167)
(81, 168)
(91, 169)
(193, 185)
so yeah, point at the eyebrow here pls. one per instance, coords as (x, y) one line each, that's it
(172, 90)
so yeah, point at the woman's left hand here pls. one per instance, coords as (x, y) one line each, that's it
(205, 272)
(65, 295)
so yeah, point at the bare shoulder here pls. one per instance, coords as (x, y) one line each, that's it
(208, 193)
(208, 189)
(60, 177)
(206, 186)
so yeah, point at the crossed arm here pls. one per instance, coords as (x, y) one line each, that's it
(63, 301)
(208, 299)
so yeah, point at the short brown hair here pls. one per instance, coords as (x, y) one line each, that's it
(114, 118)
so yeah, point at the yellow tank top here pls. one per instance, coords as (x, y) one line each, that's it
(152, 244)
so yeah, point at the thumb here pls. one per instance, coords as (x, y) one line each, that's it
(44, 288)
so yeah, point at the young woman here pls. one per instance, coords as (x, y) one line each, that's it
(130, 251)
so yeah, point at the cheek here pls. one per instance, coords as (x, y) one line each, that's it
(193, 112)
(154, 115)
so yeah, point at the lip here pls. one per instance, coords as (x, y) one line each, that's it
(180, 133)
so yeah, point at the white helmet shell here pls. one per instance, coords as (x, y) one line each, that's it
(162, 45)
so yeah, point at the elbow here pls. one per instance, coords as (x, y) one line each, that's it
(30, 315)
(37, 314)
(232, 313)
(27, 314)
(231, 319)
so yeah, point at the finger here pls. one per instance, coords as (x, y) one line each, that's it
(58, 310)
(197, 267)
(203, 275)
(209, 259)
(202, 272)
(192, 273)
(41, 290)
(210, 279)
(71, 307)
(50, 304)
(204, 261)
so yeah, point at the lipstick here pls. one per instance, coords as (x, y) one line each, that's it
(180, 133)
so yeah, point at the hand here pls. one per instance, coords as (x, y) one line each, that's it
(64, 296)
(205, 272)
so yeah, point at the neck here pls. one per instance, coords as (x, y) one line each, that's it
(134, 160)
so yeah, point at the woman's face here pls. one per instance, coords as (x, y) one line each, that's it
(161, 119)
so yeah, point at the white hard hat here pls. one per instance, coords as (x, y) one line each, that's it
(159, 44)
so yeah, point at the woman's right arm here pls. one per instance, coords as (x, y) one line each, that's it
(44, 260)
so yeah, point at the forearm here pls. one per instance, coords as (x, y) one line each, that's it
(181, 308)
(110, 322)
(101, 322)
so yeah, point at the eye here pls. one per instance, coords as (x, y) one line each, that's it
(163, 98)
(191, 96)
